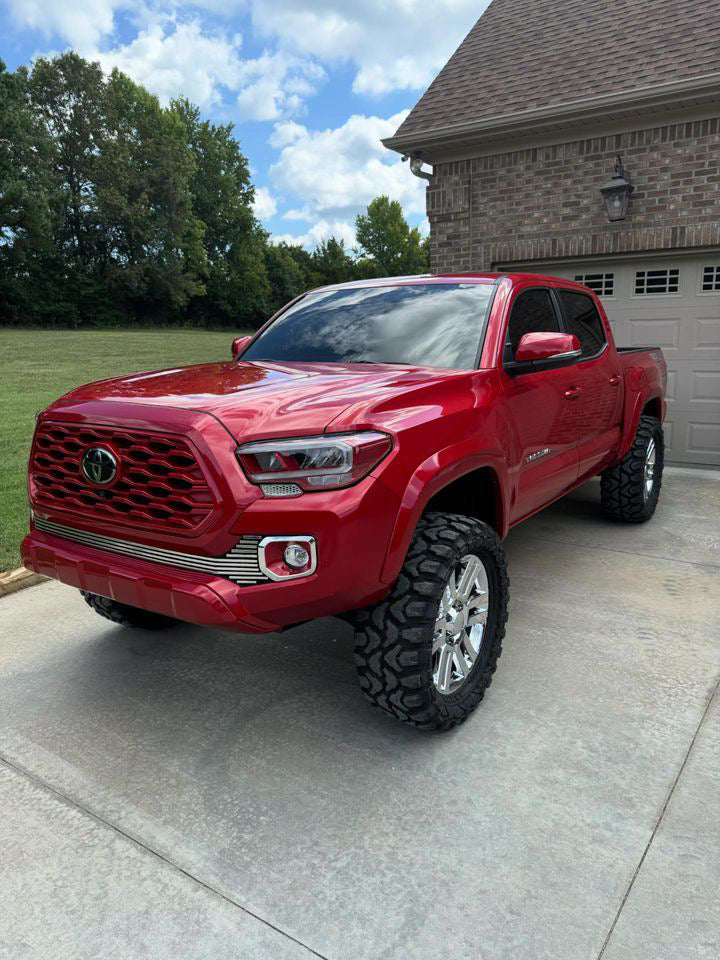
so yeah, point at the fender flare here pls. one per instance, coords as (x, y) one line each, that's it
(431, 476)
(637, 398)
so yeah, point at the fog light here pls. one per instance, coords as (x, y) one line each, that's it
(296, 556)
(289, 557)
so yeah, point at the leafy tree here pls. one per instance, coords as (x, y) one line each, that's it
(24, 193)
(115, 209)
(24, 154)
(304, 262)
(387, 246)
(332, 263)
(67, 95)
(151, 252)
(286, 277)
(236, 283)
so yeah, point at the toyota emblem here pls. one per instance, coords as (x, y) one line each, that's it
(99, 465)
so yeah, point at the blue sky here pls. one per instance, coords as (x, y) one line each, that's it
(311, 85)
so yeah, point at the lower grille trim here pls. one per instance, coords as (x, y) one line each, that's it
(240, 564)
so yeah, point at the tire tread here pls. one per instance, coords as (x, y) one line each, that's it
(393, 639)
(621, 487)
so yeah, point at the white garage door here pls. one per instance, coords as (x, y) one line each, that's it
(673, 304)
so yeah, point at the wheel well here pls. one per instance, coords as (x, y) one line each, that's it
(475, 494)
(653, 409)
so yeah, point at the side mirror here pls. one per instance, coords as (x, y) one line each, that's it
(238, 345)
(537, 351)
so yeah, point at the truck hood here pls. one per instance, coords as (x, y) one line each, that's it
(257, 399)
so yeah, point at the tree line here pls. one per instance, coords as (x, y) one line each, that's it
(116, 210)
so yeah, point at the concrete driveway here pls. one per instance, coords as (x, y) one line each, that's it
(199, 795)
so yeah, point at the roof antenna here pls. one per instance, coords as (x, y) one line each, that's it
(416, 164)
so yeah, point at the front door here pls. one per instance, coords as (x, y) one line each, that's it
(544, 412)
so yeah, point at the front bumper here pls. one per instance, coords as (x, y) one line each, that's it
(351, 528)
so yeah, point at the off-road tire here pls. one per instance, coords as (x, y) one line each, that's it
(125, 615)
(393, 639)
(622, 486)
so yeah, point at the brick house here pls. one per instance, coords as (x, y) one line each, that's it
(523, 126)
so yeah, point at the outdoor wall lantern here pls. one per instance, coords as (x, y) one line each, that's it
(416, 165)
(616, 192)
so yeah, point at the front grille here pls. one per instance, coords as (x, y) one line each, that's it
(159, 482)
(240, 564)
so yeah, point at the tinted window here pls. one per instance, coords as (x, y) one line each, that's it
(436, 325)
(532, 312)
(582, 319)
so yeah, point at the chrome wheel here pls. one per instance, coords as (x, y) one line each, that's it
(649, 470)
(460, 624)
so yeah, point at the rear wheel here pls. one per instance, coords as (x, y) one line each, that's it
(427, 652)
(125, 615)
(630, 490)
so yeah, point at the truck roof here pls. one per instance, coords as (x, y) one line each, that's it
(442, 278)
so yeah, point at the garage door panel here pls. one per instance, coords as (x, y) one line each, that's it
(693, 382)
(705, 386)
(703, 438)
(707, 335)
(654, 333)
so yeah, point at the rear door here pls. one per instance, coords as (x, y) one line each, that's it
(543, 410)
(599, 378)
(673, 303)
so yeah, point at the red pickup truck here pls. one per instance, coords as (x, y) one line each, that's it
(363, 455)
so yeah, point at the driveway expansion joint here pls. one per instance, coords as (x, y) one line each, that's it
(659, 820)
(49, 788)
(626, 553)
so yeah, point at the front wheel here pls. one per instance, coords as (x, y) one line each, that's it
(630, 490)
(427, 652)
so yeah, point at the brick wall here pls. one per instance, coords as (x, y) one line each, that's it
(544, 202)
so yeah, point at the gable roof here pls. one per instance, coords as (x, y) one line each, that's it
(524, 56)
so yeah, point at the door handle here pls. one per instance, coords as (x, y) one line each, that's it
(572, 393)
(615, 381)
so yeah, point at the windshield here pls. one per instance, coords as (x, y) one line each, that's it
(436, 325)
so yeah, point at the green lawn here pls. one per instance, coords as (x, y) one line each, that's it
(40, 365)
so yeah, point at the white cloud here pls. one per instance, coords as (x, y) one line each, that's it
(335, 173)
(394, 44)
(276, 85)
(286, 133)
(264, 205)
(179, 58)
(172, 56)
(173, 59)
(328, 176)
(319, 232)
(82, 23)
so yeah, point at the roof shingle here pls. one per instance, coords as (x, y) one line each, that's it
(525, 54)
